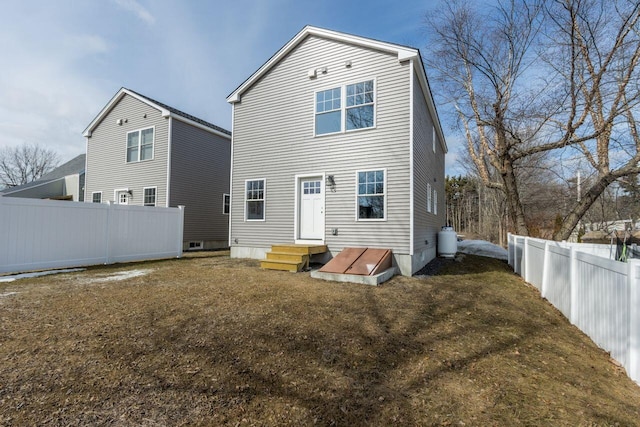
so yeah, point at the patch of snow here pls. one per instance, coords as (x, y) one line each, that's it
(37, 274)
(482, 248)
(7, 294)
(121, 275)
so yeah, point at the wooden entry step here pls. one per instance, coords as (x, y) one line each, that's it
(291, 257)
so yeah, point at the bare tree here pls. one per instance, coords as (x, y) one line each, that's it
(599, 43)
(25, 163)
(520, 92)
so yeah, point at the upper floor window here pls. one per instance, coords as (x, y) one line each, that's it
(371, 194)
(140, 145)
(150, 196)
(357, 112)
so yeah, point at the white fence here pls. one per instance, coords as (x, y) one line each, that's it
(43, 234)
(599, 295)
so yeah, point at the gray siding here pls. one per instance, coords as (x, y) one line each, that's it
(199, 177)
(428, 168)
(107, 168)
(274, 139)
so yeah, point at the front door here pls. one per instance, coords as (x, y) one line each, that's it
(122, 197)
(311, 209)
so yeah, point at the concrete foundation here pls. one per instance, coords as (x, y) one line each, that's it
(356, 278)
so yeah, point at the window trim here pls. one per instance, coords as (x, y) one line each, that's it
(155, 196)
(153, 145)
(116, 199)
(435, 201)
(385, 195)
(93, 196)
(264, 200)
(343, 106)
(433, 137)
(227, 204)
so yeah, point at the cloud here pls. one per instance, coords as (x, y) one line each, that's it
(136, 8)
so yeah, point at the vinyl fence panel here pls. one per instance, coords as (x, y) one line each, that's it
(599, 295)
(42, 234)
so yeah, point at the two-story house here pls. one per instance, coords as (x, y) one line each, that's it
(337, 142)
(143, 152)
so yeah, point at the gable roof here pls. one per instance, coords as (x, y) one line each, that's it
(164, 109)
(404, 53)
(72, 167)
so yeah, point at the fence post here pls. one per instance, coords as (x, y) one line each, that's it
(525, 259)
(573, 286)
(545, 270)
(180, 230)
(107, 232)
(633, 279)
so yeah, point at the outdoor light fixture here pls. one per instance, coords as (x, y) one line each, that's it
(314, 72)
(330, 181)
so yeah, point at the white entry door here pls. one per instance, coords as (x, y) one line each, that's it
(122, 197)
(311, 209)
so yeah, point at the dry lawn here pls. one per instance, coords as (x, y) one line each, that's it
(207, 340)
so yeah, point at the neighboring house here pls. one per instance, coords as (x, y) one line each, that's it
(336, 141)
(143, 152)
(65, 182)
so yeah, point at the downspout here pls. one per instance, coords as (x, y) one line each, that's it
(233, 109)
(169, 161)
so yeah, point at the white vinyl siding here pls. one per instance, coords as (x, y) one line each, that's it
(149, 196)
(107, 170)
(289, 147)
(140, 145)
(255, 190)
(96, 197)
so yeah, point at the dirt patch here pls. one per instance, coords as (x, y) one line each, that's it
(207, 340)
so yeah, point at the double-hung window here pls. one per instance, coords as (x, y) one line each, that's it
(254, 199)
(357, 111)
(150, 196)
(435, 202)
(140, 145)
(428, 197)
(371, 195)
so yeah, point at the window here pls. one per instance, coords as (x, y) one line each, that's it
(328, 111)
(123, 198)
(371, 195)
(226, 202)
(196, 245)
(254, 199)
(150, 196)
(140, 145)
(96, 197)
(332, 115)
(433, 138)
(359, 109)
(435, 202)
(428, 197)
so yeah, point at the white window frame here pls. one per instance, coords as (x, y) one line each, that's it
(153, 145)
(93, 196)
(435, 202)
(433, 137)
(155, 196)
(264, 200)
(226, 203)
(344, 108)
(428, 197)
(385, 195)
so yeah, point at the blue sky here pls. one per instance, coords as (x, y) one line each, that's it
(63, 60)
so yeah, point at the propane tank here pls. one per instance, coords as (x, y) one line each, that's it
(447, 242)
